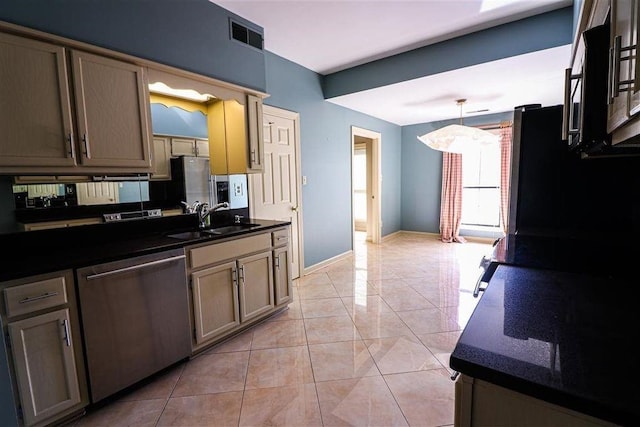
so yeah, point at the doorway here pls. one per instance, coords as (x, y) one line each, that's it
(275, 193)
(366, 184)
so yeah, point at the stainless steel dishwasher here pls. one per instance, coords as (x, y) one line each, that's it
(135, 319)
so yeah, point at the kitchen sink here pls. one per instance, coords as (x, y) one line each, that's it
(230, 228)
(217, 231)
(187, 235)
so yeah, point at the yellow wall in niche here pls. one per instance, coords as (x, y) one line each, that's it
(185, 104)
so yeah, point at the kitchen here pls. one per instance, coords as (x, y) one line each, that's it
(323, 233)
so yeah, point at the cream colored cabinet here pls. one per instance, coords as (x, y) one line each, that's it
(234, 284)
(102, 128)
(189, 147)
(283, 283)
(623, 121)
(161, 159)
(215, 301)
(480, 403)
(255, 282)
(42, 324)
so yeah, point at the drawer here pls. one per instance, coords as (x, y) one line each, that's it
(280, 237)
(35, 296)
(217, 252)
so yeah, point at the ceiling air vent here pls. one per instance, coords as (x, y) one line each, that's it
(246, 35)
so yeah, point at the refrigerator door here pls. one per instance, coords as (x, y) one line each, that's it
(197, 180)
(538, 169)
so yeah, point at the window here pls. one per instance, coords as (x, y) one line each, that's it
(481, 187)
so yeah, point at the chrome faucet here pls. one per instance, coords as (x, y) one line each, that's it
(204, 211)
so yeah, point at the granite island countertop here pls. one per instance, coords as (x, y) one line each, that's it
(564, 337)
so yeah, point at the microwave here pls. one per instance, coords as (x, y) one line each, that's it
(585, 99)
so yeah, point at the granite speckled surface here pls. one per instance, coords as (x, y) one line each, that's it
(559, 321)
(37, 252)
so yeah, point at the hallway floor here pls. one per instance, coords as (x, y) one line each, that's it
(366, 341)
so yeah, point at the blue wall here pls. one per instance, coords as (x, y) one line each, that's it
(191, 34)
(325, 133)
(422, 173)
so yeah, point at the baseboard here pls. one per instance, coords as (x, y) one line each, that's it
(327, 262)
(392, 236)
(423, 233)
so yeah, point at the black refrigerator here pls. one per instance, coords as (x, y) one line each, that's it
(555, 190)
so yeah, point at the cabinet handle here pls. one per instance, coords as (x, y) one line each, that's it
(241, 274)
(567, 107)
(253, 156)
(70, 141)
(134, 267)
(39, 297)
(277, 261)
(615, 58)
(67, 337)
(85, 140)
(234, 276)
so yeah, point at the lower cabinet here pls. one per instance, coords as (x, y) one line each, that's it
(215, 301)
(480, 403)
(47, 365)
(255, 281)
(235, 283)
(282, 274)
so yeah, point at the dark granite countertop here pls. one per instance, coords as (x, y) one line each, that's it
(565, 337)
(38, 252)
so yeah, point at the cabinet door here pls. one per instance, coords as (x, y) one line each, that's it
(282, 275)
(161, 159)
(35, 112)
(255, 274)
(621, 25)
(215, 301)
(226, 121)
(255, 134)
(112, 106)
(634, 95)
(202, 148)
(45, 366)
(183, 147)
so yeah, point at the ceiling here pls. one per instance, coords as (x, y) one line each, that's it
(327, 36)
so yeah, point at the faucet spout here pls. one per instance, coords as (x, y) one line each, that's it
(204, 211)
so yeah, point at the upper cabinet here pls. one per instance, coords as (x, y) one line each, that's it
(70, 111)
(620, 83)
(623, 121)
(233, 118)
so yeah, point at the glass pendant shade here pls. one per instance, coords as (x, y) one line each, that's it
(458, 138)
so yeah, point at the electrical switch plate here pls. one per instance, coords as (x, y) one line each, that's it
(304, 180)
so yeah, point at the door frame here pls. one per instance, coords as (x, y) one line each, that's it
(292, 115)
(374, 221)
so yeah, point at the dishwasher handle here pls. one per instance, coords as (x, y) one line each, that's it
(134, 267)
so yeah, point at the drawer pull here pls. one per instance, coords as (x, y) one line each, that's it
(67, 337)
(39, 297)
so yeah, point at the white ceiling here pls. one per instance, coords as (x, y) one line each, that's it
(327, 36)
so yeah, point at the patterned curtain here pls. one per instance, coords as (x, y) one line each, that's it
(506, 136)
(451, 200)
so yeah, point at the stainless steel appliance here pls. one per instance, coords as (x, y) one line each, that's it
(135, 319)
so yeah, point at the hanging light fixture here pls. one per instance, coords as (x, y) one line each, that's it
(458, 138)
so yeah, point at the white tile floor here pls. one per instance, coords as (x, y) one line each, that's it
(366, 341)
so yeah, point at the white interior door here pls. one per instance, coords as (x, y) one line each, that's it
(275, 193)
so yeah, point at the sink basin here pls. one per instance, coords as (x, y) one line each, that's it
(187, 235)
(230, 228)
(223, 229)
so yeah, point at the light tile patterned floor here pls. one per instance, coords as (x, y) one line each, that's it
(366, 341)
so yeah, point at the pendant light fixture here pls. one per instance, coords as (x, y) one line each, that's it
(458, 138)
